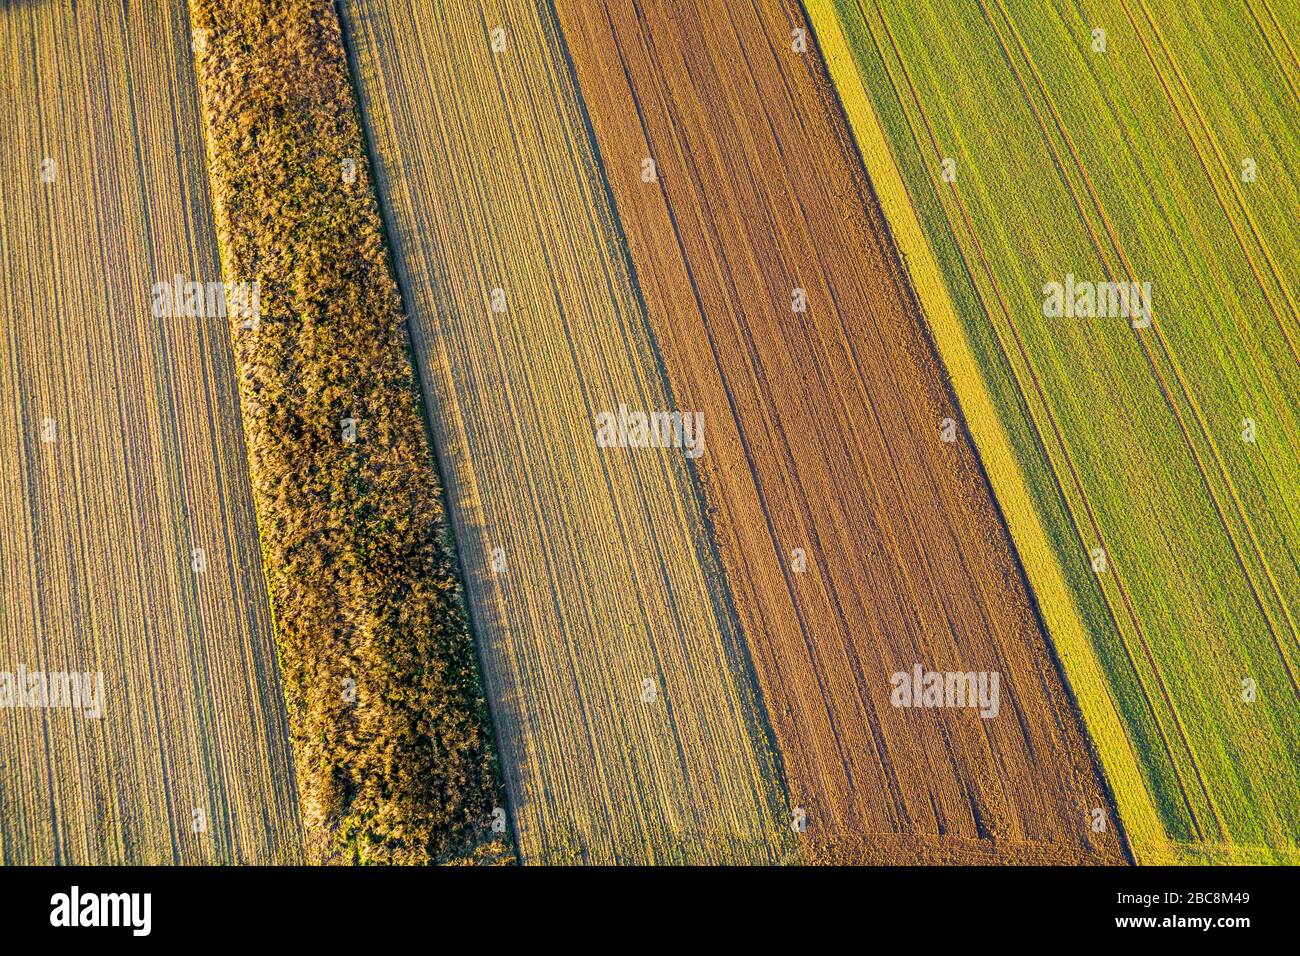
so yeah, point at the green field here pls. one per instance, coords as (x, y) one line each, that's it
(1116, 166)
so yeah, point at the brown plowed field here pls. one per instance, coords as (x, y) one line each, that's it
(824, 435)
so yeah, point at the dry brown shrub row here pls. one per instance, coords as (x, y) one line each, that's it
(359, 563)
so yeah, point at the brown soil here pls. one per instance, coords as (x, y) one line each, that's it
(823, 433)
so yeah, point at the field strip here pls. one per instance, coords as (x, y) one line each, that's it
(1254, 553)
(1134, 630)
(128, 547)
(1200, 571)
(389, 724)
(857, 541)
(1102, 253)
(1076, 496)
(1131, 614)
(627, 724)
(1058, 447)
(1042, 566)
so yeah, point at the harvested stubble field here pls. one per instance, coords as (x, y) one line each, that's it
(625, 717)
(1171, 447)
(120, 453)
(825, 437)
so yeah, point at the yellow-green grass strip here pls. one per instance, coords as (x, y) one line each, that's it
(389, 723)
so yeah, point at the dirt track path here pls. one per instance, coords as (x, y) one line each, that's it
(142, 463)
(825, 433)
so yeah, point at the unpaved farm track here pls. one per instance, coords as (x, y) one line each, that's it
(625, 719)
(824, 435)
(190, 762)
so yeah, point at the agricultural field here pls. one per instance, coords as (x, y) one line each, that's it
(128, 546)
(1147, 457)
(626, 721)
(649, 432)
(857, 542)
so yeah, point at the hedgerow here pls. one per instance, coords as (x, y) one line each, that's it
(390, 728)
